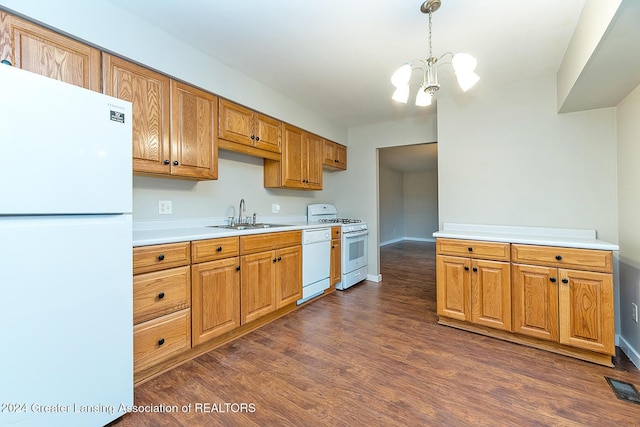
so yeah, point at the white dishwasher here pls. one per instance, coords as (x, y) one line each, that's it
(316, 262)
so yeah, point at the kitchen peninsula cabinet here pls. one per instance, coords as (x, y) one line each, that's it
(173, 123)
(335, 156)
(215, 273)
(271, 266)
(246, 131)
(474, 282)
(301, 163)
(33, 48)
(564, 295)
(161, 303)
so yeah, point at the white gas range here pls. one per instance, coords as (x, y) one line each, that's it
(354, 242)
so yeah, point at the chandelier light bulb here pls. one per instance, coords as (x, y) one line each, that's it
(467, 80)
(401, 94)
(402, 76)
(423, 98)
(464, 63)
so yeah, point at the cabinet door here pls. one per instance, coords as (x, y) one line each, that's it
(215, 299)
(534, 291)
(292, 158)
(288, 275)
(257, 283)
(36, 49)
(148, 91)
(194, 153)
(340, 152)
(328, 158)
(453, 283)
(336, 257)
(235, 123)
(586, 310)
(491, 294)
(268, 133)
(313, 150)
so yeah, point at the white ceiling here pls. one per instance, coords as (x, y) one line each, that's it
(336, 56)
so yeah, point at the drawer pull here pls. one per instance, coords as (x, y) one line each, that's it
(161, 295)
(274, 260)
(552, 280)
(559, 257)
(166, 162)
(219, 249)
(161, 257)
(475, 269)
(238, 268)
(279, 258)
(161, 341)
(565, 280)
(470, 249)
(466, 268)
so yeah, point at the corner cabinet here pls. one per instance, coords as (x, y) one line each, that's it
(246, 131)
(554, 298)
(335, 156)
(39, 50)
(301, 164)
(173, 123)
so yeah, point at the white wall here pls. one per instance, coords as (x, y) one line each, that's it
(628, 220)
(506, 157)
(420, 205)
(391, 192)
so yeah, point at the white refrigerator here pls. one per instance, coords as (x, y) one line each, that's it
(66, 315)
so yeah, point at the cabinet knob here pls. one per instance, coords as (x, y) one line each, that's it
(161, 341)
(333, 247)
(238, 268)
(475, 269)
(253, 137)
(279, 258)
(336, 160)
(161, 257)
(274, 260)
(466, 268)
(565, 280)
(166, 162)
(175, 163)
(161, 295)
(470, 249)
(219, 249)
(559, 257)
(257, 138)
(552, 280)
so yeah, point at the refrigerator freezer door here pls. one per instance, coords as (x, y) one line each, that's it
(66, 319)
(65, 149)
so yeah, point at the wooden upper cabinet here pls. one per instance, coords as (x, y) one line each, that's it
(301, 164)
(149, 92)
(42, 51)
(244, 130)
(335, 156)
(194, 153)
(173, 123)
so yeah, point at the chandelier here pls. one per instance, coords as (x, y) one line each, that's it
(463, 66)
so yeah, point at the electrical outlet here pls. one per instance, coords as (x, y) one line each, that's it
(275, 208)
(634, 312)
(165, 207)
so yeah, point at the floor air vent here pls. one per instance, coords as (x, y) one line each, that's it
(624, 390)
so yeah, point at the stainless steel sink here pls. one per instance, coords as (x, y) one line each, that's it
(249, 226)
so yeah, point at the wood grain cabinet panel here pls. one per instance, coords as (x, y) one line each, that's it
(288, 278)
(160, 292)
(213, 249)
(453, 287)
(216, 298)
(33, 48)
(160, 257)
(474, 249)
(336, 257)
(159, 339)
(582, 259)
(535, 301)
(258, 296)
(491, 294)
(335, 156)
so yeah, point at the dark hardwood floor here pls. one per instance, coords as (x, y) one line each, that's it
(374, 355)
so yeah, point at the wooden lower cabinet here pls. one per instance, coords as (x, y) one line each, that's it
(558, 299)
(215, 291)
(336, 260)
(157, 340)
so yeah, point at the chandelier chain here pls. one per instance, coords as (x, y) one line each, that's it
(430, 51)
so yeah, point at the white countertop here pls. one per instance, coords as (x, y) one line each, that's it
(563, 237)
(158, 232)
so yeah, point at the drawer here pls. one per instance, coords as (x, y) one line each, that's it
(161, 292)
(213, 249)
(161, 338)
(336, 233)
(473, 249)
(269, 241)
(580, 259)
(159, 257)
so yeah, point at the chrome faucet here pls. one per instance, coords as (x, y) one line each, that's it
(241, 209)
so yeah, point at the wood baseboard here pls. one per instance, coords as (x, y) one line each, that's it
(600, 359)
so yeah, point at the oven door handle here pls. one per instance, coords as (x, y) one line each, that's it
(355, 234)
